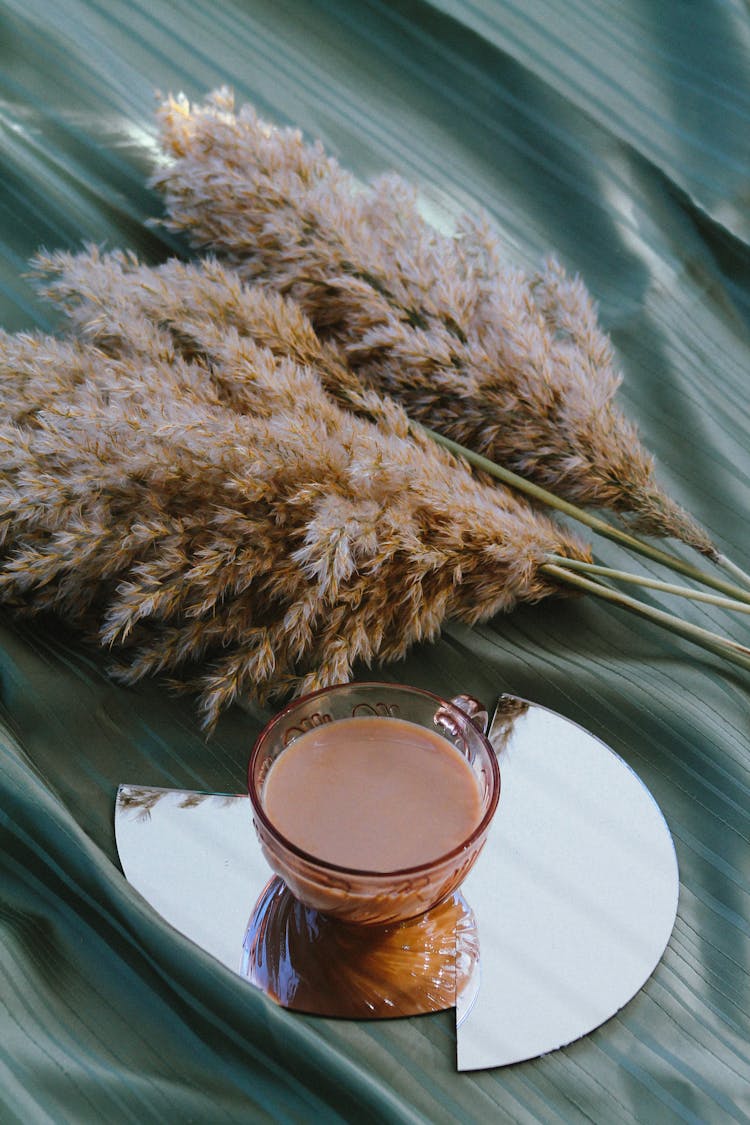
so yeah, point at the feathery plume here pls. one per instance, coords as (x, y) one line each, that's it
(197, 303)
(228, 523)
(512, 366)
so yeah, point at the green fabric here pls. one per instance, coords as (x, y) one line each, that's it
(613, 132)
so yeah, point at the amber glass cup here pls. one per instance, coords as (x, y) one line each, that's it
(361, 896)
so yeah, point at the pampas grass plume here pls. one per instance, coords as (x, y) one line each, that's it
(513, 366)
(221, 520)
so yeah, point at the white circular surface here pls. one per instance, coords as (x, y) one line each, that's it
(575, 894)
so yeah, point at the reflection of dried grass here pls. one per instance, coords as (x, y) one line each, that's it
(508, 711)
(145, 799)
(225, 521)
(512, 366)
(139, 798)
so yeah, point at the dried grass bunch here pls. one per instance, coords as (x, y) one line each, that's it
(205, 509)
(198, 303)
(513, 366)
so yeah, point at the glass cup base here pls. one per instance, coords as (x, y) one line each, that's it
(310, 962)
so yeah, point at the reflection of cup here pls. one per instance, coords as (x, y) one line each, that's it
(354, 893)
(313, 963)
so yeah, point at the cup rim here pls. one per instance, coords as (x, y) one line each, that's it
(400, 872)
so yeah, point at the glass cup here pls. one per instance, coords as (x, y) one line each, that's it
(369, 897)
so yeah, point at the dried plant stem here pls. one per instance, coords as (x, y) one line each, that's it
(713, 642)
(732, 568)
(609, 531)
(615, 575)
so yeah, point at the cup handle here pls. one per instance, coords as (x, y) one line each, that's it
(476, 711)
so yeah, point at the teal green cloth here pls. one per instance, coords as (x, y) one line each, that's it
(612, 132)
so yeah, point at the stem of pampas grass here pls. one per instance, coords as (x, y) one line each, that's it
(513, 367)
(736, 653)
(613, 574)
